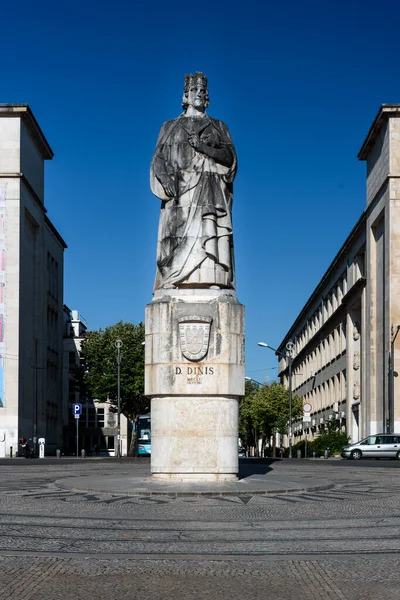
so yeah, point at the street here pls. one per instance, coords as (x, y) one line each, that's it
(339, 543)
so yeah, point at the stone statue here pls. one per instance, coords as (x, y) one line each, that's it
(356, 331)
(192, 172)
(356, 390)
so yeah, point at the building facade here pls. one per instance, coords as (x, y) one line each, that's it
(346, 350)
(97, 426)
(31, 289)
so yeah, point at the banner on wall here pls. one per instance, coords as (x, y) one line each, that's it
(3, 189)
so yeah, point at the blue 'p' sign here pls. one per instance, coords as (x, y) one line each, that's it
(77, 409)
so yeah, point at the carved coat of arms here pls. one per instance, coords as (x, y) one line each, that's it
(194, 333)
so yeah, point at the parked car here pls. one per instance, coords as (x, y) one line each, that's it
(381, 445)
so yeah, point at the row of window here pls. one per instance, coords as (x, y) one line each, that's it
(327, 350)
(331, 302)
(331, 391)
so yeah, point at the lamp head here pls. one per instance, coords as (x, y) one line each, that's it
(263, 344)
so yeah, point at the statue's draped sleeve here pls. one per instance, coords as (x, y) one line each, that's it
(158, 164)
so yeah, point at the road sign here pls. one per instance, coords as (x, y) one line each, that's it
(290, 347)
(306, 418)
(77, 409)
(307, 408)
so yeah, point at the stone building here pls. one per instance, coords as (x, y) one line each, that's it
(97, 425)
(31, 288)
(346, 356)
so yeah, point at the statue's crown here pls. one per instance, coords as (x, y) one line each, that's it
(198, 77)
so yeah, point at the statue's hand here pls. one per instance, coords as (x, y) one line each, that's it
(169, 188)
(194, 141)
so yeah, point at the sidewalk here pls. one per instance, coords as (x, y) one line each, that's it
(256, 478)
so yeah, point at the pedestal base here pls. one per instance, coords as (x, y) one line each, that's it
(194, 439)
(194, 477)
(194, 377)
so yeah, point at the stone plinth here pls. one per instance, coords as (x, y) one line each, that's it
(194, 377)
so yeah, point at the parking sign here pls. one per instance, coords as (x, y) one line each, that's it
(77, 410)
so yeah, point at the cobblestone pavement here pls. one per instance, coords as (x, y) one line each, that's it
(342, 543)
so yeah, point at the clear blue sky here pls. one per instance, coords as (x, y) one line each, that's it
(298, 84)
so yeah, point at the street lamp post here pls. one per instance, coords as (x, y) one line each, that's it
(118, 345)
(390, 425)
(289, 358)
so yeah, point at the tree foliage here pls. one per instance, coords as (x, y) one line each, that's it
(99, 356)
(332, 438)
(264, 411)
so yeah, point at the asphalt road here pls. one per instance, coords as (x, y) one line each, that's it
(342, 543)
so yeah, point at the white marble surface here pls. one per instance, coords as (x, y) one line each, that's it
(194, 438)
(168, 372)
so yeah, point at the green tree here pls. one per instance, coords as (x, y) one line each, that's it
(264, 411)
(99, 358)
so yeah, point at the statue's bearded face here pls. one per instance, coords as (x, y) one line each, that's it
(197, 94)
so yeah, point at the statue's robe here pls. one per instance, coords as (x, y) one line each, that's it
(195, 244)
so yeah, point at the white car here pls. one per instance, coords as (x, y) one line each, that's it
(381, 445)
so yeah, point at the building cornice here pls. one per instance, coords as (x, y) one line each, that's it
(24, 112)
(32, 192)
(384, 113)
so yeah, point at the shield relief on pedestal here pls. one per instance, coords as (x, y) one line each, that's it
(194, 335)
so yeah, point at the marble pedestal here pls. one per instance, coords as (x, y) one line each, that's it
(194, 377)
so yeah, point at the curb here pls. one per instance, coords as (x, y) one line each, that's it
(204, 494)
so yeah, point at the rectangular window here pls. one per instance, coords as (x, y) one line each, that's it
(100, 417)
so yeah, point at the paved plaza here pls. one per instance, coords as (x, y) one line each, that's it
(338, 541)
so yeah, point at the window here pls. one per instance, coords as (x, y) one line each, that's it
(100, 417)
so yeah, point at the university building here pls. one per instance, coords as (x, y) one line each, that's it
(346, 351)
(31, 289)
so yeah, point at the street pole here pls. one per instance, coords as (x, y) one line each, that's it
(118, 345)
(35, 416)
(290, 359)
(390, 428)
(77, 435)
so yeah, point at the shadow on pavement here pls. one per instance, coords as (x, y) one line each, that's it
(255, 466)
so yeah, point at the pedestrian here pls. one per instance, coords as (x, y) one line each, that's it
(281, 451)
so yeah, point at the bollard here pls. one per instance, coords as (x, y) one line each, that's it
(10, 451)
(58, 453)
(83, 453)
(298, 453)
